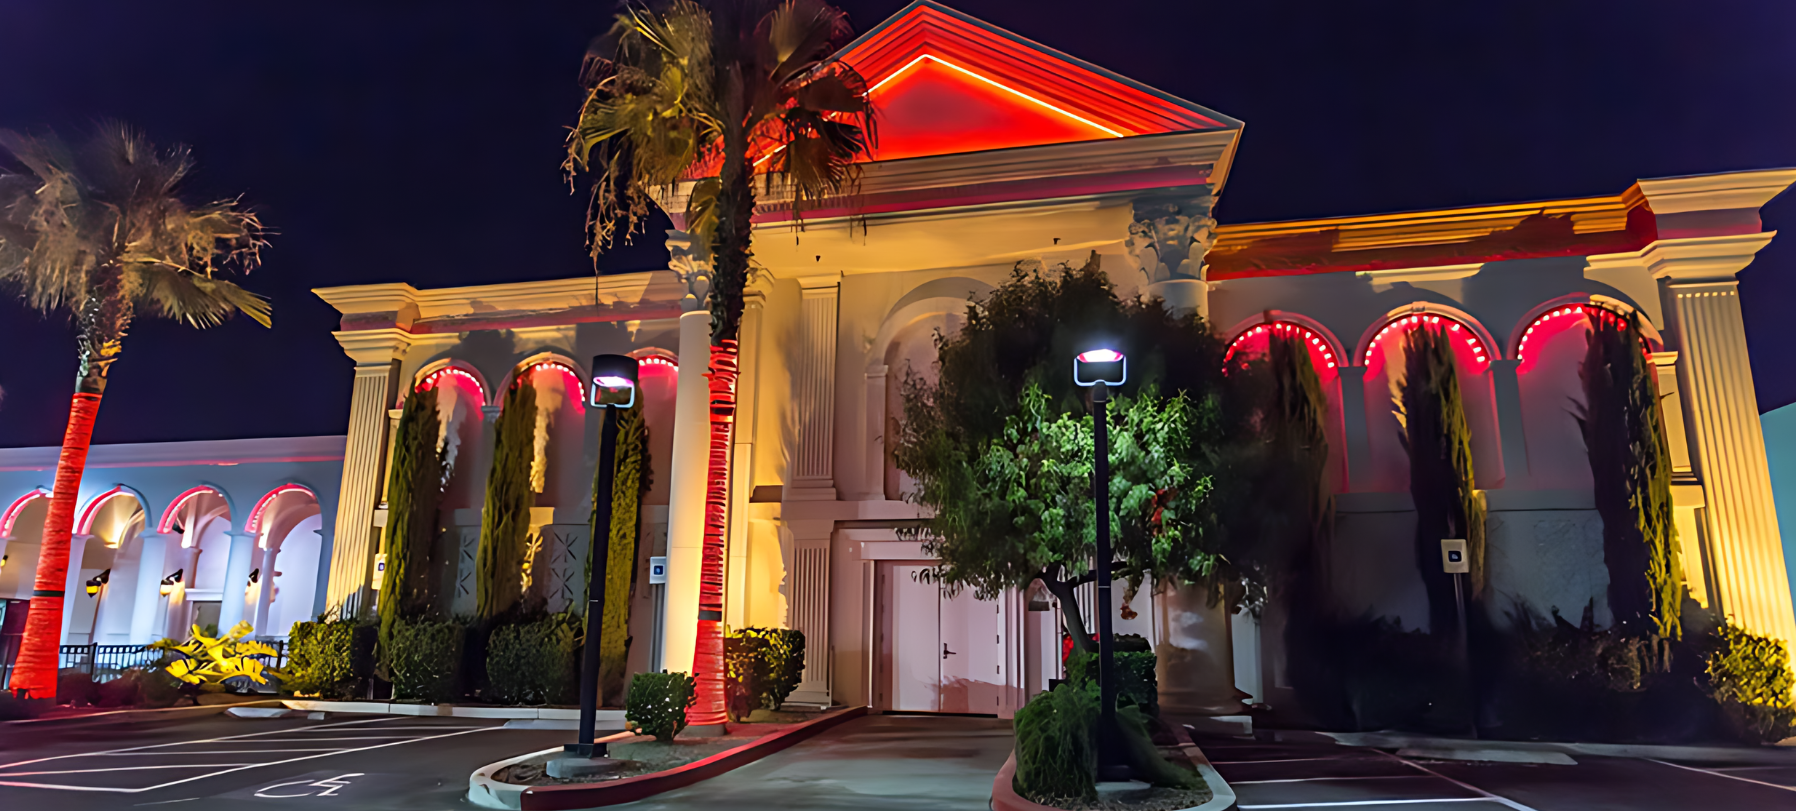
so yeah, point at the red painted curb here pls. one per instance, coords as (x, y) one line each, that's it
(1004, 796)
(631, 789)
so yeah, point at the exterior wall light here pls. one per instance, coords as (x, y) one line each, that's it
(94, 584)
(172, 582)
(613, 381)
(255, 576)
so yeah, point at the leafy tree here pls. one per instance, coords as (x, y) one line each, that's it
(414, 492)
(1448, 504)
(707, 92)
(505, 518)
(630, 483)
(1630, 461)
(99, 231)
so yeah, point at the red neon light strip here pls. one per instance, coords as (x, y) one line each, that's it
(11, 516)
(1006, 88)
(1308, 334)
(86, 524)
(1575, 310)
(430, 381)
(254, 524)
(579, 385)
(167, 524)
(1479, 352)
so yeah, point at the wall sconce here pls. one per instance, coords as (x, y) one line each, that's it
(94, 584)
(3, 560)
(255, 576)
(171, 582)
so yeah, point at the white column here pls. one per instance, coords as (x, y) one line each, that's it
(265, 589)
(1353, 418)
(814, 384)
(146, 607)
(74, 589)
(241, 558)
(686, 493)
(376, 354)
(1508, 393)
(875, 433)
(1721, 407)
(809, 608)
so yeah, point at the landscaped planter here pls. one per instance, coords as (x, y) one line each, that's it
(485, 790)
(607, 719)
(1222, 798)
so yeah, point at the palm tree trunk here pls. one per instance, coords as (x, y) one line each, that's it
(707, 660)
(103, 318)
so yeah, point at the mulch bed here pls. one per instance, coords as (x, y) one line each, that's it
(1156, 799)
(647, 755)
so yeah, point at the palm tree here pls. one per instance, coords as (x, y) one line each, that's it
(692, 91)
(97, 231)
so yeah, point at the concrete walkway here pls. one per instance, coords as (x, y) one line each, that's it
(871, 764)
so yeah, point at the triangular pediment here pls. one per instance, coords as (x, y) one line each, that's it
(946, 83)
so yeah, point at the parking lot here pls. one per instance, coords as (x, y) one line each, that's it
(1320, 774)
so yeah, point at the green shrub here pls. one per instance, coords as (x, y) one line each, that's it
(657, 702)
(328, 658)
(785, 663)
(745, 671)
(76, 688)
(1056, 753)
(1136, 682)
(425, 659)
(533, 662)
(1750, 676)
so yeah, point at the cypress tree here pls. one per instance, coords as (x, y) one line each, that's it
(414, 493)
(1630, 462)
(628, 486)
(1448, 504)
(505, 517)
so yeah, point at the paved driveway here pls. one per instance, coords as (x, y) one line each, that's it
(877, 763)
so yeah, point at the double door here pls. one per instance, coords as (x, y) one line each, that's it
(939, 653)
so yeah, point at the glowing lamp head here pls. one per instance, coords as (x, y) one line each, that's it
(1095, 366)
(94, 584)
(614, 381)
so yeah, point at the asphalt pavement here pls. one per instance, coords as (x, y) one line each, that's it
(346, 762)
(1322, 775)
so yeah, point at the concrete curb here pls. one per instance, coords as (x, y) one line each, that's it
(486, 792)
(1760, 755)
(128, 716)
(1222, 797)
(607, 719)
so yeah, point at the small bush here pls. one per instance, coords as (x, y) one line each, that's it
(1056, 753)
(657, 702)
(533, 662)
(328, 659)
(745, 673)
(1749, 675)
(782, 663)
(76, 689)
(426, 661)
(13, 708)
(1136, 682)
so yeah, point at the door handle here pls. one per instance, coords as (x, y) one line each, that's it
(945, 652)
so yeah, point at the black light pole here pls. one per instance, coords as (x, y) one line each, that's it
(613, 389)
(1100, 369)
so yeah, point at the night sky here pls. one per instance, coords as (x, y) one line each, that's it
(420, 142)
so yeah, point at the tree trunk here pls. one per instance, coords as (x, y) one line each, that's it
(103, 319)
(1069, 613)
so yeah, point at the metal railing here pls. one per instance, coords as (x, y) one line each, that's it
(107, 662)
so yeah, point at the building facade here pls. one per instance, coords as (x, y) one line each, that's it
(995, 151)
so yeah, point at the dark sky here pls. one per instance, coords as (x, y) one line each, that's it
(419, 142)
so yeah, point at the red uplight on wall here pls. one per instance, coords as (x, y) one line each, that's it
(1561, 318)
(85, 526)
(11, 516)
(173, 513)
(1256, 339)
(448, 373)
(254, 525)
(648, 361)
(1465, 340)
(579, 384)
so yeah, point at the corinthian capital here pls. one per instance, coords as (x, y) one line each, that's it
(1170, 234)
(691, 261)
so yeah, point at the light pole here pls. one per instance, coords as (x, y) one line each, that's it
(613, 389)
(1099, 369)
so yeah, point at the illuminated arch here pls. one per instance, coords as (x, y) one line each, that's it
(1563, 312)
(173, 513)
(656, 357)
(84, 525)
(547, 360)
(1325, 352)
(254, 524)
(1462, 328)
(442, 371)
(17, 508)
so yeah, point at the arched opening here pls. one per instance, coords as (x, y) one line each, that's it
(558, 475)
(284, 581)
(1550, 354)
(108, 531)
(1325, 356)
(201, 519)
(461, 395)
(1384, 360)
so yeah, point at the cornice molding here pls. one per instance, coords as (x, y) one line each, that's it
(647, 287)
(373, 347)
(1716, 192)
(1693, 259)
(261, 450)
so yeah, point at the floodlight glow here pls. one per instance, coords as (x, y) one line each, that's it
(614, 382)
(1101, 356)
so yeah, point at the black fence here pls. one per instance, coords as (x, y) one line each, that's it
(106, 662)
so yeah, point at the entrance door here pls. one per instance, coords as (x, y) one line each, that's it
(940, 654)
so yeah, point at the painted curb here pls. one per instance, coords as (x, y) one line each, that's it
(487, 793)
(1754, 755)
(136, 715)
(607, 719)
(1222, 797)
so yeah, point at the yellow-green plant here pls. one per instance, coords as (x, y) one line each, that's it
(210, 660)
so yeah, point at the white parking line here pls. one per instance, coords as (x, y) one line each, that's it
(1467, 786)
(1285, 760)
(1363, 803)
(222, 768)
(1719, 774)
(216, 752)
(1315, 779)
